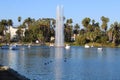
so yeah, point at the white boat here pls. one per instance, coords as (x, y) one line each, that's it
(67, 46)
(92, 46)
(100, 49)
(14, 47)
(29, 46)
(51, 45)
(86, 46)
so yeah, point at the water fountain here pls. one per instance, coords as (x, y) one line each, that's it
(59, 30)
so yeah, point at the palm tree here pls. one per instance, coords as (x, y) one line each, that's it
(86, 22)
(76, 29)
(4, 24)
(114, 33)
(10, 22)
(27, 22)
(68, 30)
(2, 28)
(105, 20)
(69, 21)
(93, 22)
(77, 26)
(19, 19)
(110, 33)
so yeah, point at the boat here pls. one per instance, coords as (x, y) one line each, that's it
(51, 45)
(29, 45)
(100, 49)
(5, 47)
(67, 46)
(86, 46)
(92, 46)
(14, 47)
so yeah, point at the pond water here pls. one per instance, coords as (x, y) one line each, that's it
(76, 63)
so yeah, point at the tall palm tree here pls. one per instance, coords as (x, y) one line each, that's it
(10, 22)
(114, 33)
(110, 33)
(76, 28)
(19, 19)
(68, 30)
(28, 22)
(93, 22)
(2, 28)
(4, 24)
(86, 22)
(105, 20)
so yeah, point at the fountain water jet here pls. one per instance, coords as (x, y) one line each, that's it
(59, 30)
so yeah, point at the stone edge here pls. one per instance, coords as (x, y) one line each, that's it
(13, 72)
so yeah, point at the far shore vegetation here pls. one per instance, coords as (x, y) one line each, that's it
(43, 30)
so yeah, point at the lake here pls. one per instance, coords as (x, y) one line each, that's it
(76, 63)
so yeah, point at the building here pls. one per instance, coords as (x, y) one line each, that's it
(12, 30)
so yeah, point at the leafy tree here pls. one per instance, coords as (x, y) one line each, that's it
(44, 26)
(81, 40)
(28, 36)
(7, 38)
(19, 33)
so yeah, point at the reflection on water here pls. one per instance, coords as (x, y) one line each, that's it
(58, 66)
(77, 63)
(12, 58)
(59, 53)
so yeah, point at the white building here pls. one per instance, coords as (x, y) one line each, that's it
(12, 30)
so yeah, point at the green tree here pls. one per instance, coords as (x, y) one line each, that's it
(76, 29)
(104, 25)
(45, 27)
(68, 30)
(86, 22)
(4, 25)
(80, 40)
(114, 33)
(10, 22)
(19, 33)
(7, 38)
(27, 22)
(2, 28)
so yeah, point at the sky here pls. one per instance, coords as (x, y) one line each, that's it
(75, 9)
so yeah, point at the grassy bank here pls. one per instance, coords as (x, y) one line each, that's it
(70, 43)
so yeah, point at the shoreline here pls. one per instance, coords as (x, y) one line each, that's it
(71, 44)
